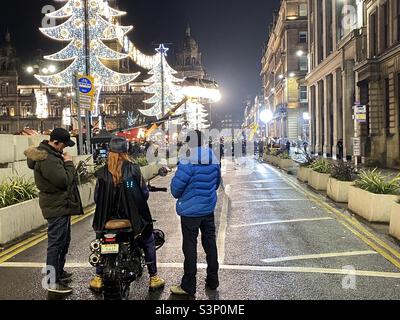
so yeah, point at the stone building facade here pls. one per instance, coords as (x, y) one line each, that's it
(284, 67)
(378, 81)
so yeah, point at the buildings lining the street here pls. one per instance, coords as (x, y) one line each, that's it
(352, 87)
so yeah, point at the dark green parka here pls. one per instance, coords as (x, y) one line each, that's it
(56, 181)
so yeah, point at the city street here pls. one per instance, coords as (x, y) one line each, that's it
(277, 239)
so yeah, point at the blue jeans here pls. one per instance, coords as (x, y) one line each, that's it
(59, 239)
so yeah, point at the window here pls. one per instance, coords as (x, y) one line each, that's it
(373, 34)
(303, 35)
(303, 94)
(303, 63)
(387, 106)
(386, 17)
(398, 20)
(303, 10)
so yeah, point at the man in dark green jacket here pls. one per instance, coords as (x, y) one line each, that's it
(59, 199)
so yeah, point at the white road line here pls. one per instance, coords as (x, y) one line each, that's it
(280, 221)
(319, 256)
(267, 200)
(363, 273)
(223, 224)
(279, 180)
(267, 189)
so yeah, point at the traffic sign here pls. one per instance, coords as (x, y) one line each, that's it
(356, 147)
(86, 85)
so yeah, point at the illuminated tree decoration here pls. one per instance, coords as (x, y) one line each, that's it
(73, 31)
(163, 86)
(196, 116)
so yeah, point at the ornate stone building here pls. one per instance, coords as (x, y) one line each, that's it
(377, 75)
(284, 67)
(189, 58)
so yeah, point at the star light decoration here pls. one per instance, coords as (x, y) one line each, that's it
(162, 82)
(73, 31)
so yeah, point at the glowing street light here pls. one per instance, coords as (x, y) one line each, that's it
(266, 116)
(300, 53)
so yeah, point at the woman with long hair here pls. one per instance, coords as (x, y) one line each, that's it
(122, 193)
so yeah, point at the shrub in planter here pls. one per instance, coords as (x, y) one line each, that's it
(141, 161)
(16, 190)
(373, 195)
(321, 166)
(285, 155)
(375, 182)
(342, 176)
(319, 175)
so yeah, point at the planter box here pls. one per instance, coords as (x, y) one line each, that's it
(87, 193)
(370, 206)
(21, 143)
(21, 169)
(394, 229)
(303, 173)
(318, 181)
(7, 144)
(5, 173)
(146, 172)
(338, 191)
(286, 164)
(20, 219)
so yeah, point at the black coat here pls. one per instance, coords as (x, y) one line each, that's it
(125, 201)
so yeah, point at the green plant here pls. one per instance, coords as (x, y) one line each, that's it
(141, 161)
(321, 166)
(16, 190)
(375, 182)
(285, 155)
(342, 171)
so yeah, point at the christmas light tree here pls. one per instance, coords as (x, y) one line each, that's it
(99, 16)
(163, 86)
(196, 116)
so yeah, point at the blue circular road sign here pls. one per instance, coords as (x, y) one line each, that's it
(85, 85)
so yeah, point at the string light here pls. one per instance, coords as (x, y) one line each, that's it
(73, 31)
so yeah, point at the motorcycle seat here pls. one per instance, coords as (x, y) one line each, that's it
(118, 224)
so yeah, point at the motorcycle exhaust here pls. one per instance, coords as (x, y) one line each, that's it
(95, 245)
(94, 259)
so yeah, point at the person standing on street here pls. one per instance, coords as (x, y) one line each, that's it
(339, 147)
(195, 186)
(59, 199)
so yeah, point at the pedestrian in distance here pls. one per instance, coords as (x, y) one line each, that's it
(195, 186)
(288, 145)
(59, 199)
(339, 147)
(119, 170)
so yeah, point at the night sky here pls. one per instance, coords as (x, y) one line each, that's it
(231, 35)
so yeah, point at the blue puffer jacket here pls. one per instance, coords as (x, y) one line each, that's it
(196, 183)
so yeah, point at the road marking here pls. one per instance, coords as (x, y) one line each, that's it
(267, 200)
(319, 256)
(350, 223)
(363, 273)
(266, 189)
(280, 221)
(32, 241)
(223, 224)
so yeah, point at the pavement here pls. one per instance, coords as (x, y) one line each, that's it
(277, 240)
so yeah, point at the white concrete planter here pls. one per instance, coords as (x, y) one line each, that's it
(303, 173)
(318, 181)
(338, 191)
(286, 164)
(7, 148)
(5, 173)
(21, 143)
(146, 172)
(87, 193)
(21, 169)
(370, 206)
(20, 219)
(394, 229)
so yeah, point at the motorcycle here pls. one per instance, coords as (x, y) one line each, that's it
(118, 252)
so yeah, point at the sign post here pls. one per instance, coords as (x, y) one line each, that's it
(360, 116)
(85, 99)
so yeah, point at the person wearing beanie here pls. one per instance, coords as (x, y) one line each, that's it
(109, 188)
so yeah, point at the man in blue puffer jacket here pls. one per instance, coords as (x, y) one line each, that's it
(195, 186)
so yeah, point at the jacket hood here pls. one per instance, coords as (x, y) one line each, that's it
(36, 154)
(200, 155)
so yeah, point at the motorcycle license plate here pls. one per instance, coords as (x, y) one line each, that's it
(109, 248)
